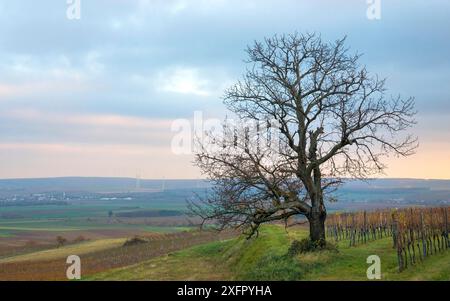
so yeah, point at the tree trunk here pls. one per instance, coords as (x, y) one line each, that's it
(317, 228)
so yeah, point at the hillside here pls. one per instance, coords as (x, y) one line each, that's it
(264, 258)
(207, 256)
(48, 262)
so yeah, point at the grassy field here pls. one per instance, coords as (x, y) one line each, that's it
(63, 252)
(265, 258)
(5, 233)
(98, 255)
(90, 218)
(77, 225)
(208, 256)
(28, 246)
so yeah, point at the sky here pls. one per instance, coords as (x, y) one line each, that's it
(97, 95)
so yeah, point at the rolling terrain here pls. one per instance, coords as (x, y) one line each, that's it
(96, 216)
(208, 256)
(99, 255)
(265, 258)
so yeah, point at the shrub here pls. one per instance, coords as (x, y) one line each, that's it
(60, 241)
(135, 241)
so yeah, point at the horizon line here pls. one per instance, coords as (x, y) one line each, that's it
(188, 179)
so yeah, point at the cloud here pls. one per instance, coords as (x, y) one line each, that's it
(34, 76)
(93, 129)
(183, 81)
(120, 74)
(178, 6)
(87, 119)
(35, 89)
(110, 149)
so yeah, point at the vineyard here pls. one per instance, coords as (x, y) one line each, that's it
(53, 266)
(416, 232)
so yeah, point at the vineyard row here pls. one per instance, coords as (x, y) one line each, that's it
(416, 232)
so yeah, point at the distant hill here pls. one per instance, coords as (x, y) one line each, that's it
(93, 184)
(105, 184)
(399, 183)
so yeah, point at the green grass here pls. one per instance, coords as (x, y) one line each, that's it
(350, 264)
(55, 225)
(84, 215)
(265, 258)
(95, 208)
(196, 263)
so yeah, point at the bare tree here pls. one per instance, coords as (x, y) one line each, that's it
(333, 120)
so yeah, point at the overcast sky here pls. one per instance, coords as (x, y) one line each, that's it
(97, 96)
